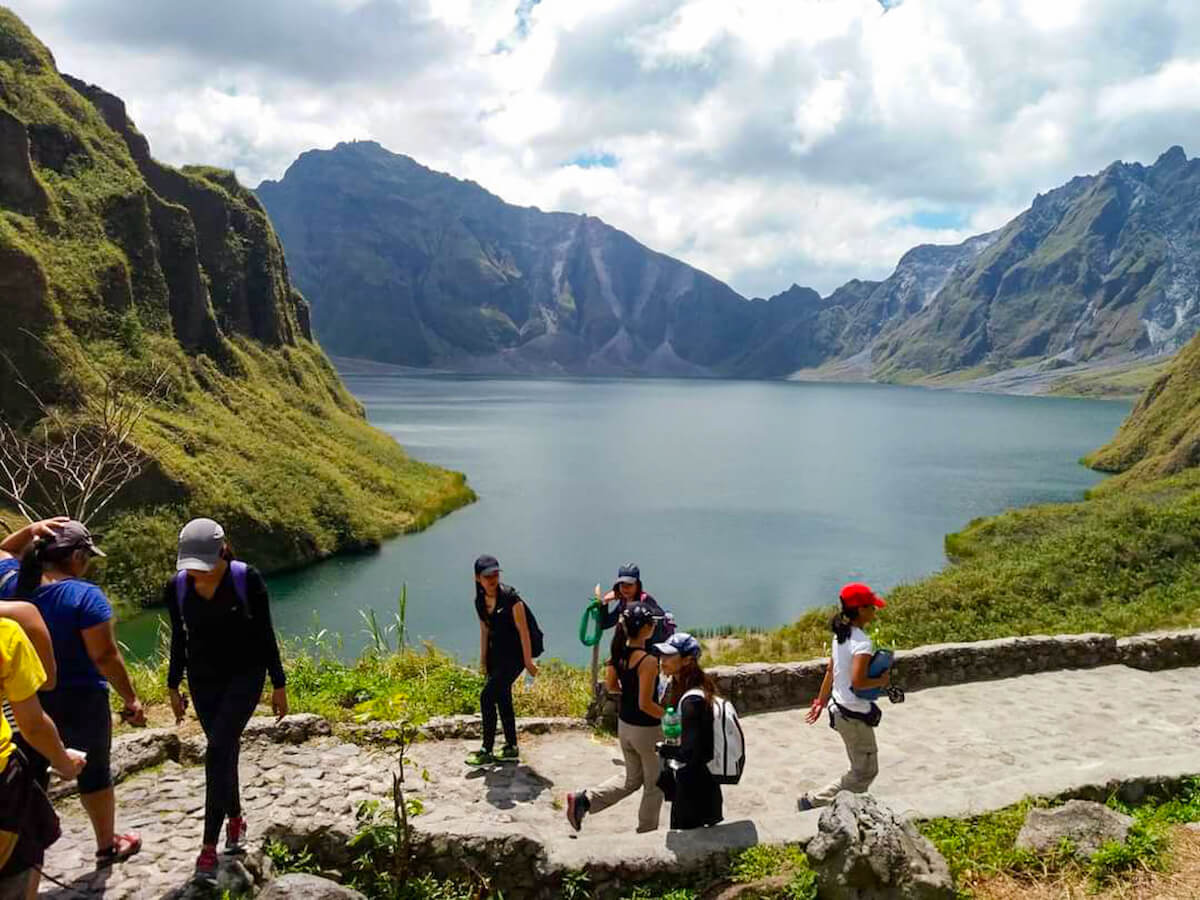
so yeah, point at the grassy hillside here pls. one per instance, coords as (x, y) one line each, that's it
(115, 266)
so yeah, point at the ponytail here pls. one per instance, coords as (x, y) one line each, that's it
(842, 623)
(620, 643)
(33, 565)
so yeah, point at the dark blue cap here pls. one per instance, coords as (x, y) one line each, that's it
(636, 617)
(628, 574)
(487, 565)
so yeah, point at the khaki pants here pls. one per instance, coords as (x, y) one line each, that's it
(859, 738)
(641, 771)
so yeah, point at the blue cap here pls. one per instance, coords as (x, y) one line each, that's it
(628, 574)
(636, 617)
(487, 565)
(680, 643)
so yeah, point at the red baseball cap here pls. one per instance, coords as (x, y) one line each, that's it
(856, 595)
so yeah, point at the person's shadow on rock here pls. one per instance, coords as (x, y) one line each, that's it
(508, 785)
(94, 883)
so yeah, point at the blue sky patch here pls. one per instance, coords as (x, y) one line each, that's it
(593, 161)
(939, 219)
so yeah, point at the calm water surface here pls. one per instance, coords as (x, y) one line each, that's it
(743, 502)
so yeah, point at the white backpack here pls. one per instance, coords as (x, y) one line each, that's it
(729, 744)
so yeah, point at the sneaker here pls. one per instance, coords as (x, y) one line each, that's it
(508, 753)
(235, 835)
(481, 758)
(803, 803)
(577, 807)
(206, 864)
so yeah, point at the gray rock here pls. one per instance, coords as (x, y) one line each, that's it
(307, 887)
(294, 729)
(1085, 824)
(864, 851)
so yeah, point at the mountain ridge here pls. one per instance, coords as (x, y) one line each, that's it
(461, 280)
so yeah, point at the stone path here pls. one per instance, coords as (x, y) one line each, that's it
(947, 751)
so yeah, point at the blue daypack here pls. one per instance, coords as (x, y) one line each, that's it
(881, 661)
(236, 567)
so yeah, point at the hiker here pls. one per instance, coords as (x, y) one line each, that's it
(626, 590)
(696, 799)
(221, 635)
(632, 670)
(506, 648)
(28, 823)
(850, 715)
(55, 556)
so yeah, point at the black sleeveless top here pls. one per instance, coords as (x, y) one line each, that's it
(631, 711)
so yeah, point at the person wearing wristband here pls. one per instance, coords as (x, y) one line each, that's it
(28, 823)
(222, 637)
(852, 717)
(55, 555)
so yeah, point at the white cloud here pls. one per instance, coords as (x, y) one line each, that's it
(766, 141)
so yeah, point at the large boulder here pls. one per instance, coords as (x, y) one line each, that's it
(864, 851)
(307, 887)
(1085, 824)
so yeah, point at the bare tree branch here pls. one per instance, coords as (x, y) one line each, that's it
(76, 462)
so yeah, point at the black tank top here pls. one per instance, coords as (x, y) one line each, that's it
(631, 711)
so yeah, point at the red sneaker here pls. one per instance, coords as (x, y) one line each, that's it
(206, 865)
(235, 835)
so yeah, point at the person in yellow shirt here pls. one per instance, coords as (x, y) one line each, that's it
(28, 823)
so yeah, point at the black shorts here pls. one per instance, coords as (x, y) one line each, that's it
(84, 721)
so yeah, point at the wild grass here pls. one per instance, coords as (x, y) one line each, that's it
(984, 847)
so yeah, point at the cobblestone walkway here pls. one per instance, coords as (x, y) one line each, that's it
(947, 751)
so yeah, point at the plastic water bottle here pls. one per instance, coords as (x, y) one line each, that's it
(671, 726)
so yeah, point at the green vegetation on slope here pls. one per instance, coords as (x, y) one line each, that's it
(113, 266)
(1120, 562)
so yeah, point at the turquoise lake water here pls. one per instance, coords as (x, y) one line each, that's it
(743, 502)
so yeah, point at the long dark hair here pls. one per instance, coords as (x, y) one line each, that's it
(689, 677)
(842, 623)
(33, 564)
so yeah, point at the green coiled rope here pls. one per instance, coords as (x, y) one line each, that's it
(589, 625)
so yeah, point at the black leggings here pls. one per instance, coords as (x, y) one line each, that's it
(497, 694)
(224, 707)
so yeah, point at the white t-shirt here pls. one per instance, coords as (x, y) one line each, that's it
(843, 659)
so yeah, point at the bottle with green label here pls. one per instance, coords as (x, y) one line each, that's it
(672, 727)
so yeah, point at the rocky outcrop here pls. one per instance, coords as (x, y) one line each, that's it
(864, 851)
(297, 886)
(1083, 825)
(20, 190)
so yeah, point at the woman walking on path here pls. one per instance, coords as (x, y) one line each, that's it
(505, 650)
(634, 672)
(221, 635)
(28, 824)
(697, 800)
(55, 555)
(851, 716)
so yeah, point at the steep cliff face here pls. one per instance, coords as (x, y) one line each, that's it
(112, 264)
(1106, 266)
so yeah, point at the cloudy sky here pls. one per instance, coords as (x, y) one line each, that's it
(765, 141)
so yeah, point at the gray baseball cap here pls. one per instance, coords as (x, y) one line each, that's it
(75, 536)
(200, 545)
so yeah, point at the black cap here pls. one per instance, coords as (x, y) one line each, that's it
(628, 574)
(74, 536)
(487, 565)
(636, 617)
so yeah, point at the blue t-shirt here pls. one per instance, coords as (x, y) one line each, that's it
(68, 607)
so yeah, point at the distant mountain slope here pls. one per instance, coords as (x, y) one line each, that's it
(410, 266)
(1106, 266)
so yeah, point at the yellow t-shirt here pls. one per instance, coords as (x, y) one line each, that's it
(21, 674)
